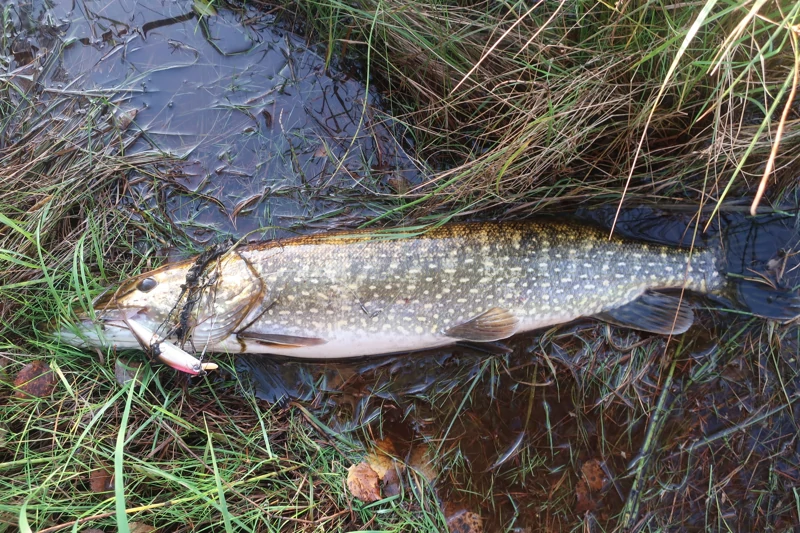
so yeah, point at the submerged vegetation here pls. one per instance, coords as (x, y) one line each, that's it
(514, 108)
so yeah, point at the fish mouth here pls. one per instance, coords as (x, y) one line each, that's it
(108, 326)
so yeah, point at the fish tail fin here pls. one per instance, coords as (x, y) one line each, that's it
(761, 276)
(760, 298)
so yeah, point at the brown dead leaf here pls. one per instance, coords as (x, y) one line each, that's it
(391, 482)
(362, 481)
(101, 480)
(420, 460)
(139, 527)
(399, 183)
(594, 475)
(381, 458)
(386, 446)
(594, 479)
(584, 496)
(35, 379)
(465, 522)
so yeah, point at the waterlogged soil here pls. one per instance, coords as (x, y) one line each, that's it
(582, 422)
(273, 135)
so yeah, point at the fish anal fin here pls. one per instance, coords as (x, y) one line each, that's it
(280, 341)
(653, 312)
(491, 325)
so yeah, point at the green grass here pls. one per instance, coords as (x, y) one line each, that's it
(515, 108)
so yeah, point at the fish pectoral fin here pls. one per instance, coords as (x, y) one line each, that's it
(214, 329)
(491, 325)
(653, 312)
(280, 341)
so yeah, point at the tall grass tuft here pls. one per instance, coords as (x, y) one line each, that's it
(544, 102)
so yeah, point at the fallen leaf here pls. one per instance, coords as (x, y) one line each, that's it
(465, 522)
(362, 481)
(101, 480)
(584, 496)
(35, 379)
(391, 482)
(386, 446)
(420, 460)
(594, 475)
(381, 458)
(399, 183)
(139, 527)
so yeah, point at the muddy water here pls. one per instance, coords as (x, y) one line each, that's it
(272, 137)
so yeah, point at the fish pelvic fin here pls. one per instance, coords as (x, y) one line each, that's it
(653, 312)
(492, 325)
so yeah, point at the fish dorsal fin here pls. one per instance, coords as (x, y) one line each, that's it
(280, 341)
(491, 325)
(653, 312)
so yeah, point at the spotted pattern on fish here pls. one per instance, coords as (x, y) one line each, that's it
(540, 273)
(367, 292)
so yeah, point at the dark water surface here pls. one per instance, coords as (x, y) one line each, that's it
(272, 137)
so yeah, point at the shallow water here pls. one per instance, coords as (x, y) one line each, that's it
(273, 137)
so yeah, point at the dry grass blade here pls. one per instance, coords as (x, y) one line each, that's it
(781, 125)
(540, 106)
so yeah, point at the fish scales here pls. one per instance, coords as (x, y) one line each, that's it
(543, 274)
(363, 293)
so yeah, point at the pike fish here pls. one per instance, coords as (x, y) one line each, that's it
(347, 294)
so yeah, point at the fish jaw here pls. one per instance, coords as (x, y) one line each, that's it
(146, 300)
(125, 329)
(106, 329)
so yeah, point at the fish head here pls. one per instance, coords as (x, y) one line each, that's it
(226, 294)
(149, 299)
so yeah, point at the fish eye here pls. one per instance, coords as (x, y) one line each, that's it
(147, 285)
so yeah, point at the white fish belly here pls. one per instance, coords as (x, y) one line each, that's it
(355, 344)
(343, 346)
